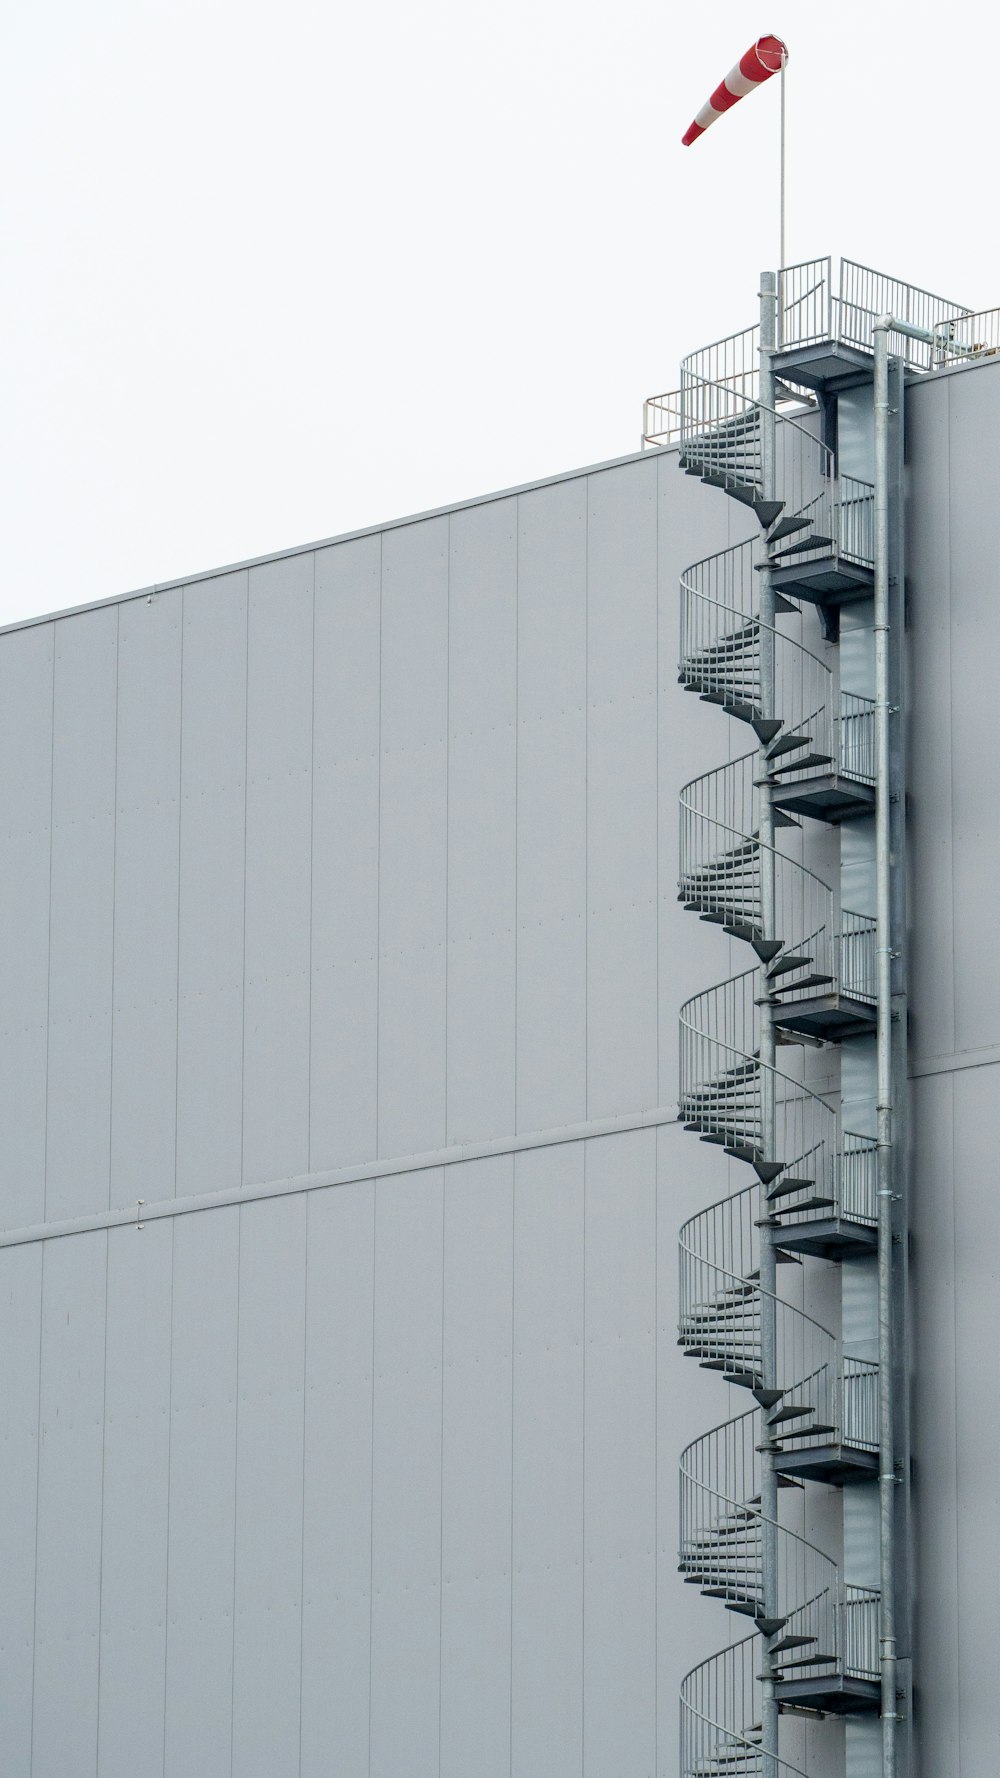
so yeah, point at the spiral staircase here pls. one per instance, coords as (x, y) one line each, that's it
(810, 980)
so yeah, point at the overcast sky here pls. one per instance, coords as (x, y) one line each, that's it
(272, 273)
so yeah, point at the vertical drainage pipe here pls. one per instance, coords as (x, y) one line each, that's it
(884, 947)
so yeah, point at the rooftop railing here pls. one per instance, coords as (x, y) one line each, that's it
(819, 301)
(814, 304)
(962, 337)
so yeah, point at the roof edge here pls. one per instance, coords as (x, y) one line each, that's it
(304, 549)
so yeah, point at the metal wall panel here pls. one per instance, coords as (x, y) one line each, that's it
(476, 1484)
(935, 1420)
(380, 1558)
(135, 1491)
(406, 1476)
(144, 1055)
(343, 1097)
(974, 550)
(26, 665)
(953, 433)
(621, 790)
(20, 1340)
(337, 1502)
(278, 869)
(619, 1607)
(202, 1482)
(413, 821)
(212, 887)
(977, 1412)
(267, 1648)
(81, 935)
(482, 818)
(547, 1456)
(930, 831)
(552, 806)
(70, 1486)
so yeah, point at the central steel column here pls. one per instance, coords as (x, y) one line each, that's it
(768, 1330)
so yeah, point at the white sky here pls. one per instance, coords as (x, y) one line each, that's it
(272, 273)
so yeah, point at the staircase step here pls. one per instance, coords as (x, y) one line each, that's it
(788, 743)
(765, 728)
(806, 764)
(742, 929)
(797, 549)
(808, 1431)
(768, 1626)
(781, 818)
(767, 511)
(768, 1170)
(808, 1661)
(793, 1642)
(781, 604)
(791, 1412)
(785, 1187)
(743, 491)
(739, 1151)
(767, 1398)
(786, 963)
(815, 980)
(811, 1204)
(767, 948)
(788, 526)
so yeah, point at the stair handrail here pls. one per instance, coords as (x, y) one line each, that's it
(837, 729)
(834, 941)
(733, 1674)
(693, 380)
(817, 1375)
(817, 1593)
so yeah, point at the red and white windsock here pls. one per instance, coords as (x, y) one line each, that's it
(763, 58)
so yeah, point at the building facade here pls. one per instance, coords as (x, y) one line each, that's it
(343, 1157)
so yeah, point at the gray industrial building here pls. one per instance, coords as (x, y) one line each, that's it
(342, 1152)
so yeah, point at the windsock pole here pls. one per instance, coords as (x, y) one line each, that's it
(781, 256)
(767, 56)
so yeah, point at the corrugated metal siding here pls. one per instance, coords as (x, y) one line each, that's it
(353, 855)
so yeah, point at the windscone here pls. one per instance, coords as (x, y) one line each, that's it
(762, 59)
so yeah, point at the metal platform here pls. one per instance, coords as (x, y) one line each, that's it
(833, 1464)
(827, 366)
(828, 797)
(828, 1237)
(827, 582)
(828, 1017)
(837, 1694)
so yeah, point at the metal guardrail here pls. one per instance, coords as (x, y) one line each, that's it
(963, 338)
(662, 419)
(860, 1632)
(857, 973)
(855, 528)
(856, 1183)
(722, 1546)
(815, 305)
(856, 737)
(718, 1693)
(859, 1382)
